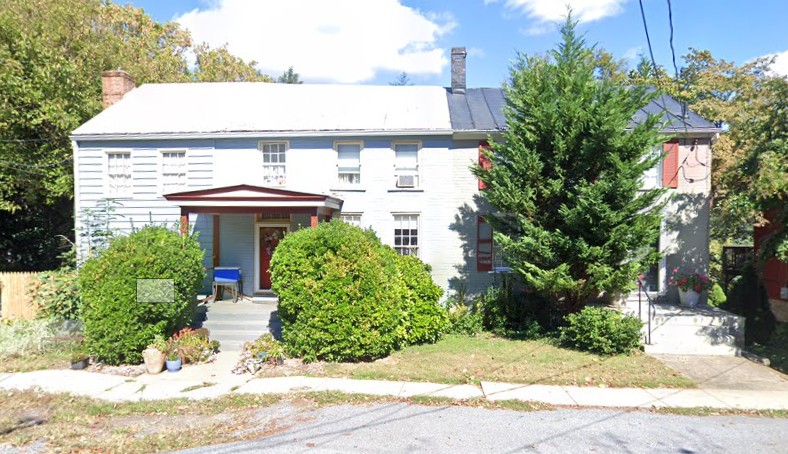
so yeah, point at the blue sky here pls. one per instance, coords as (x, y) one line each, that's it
(371, 41)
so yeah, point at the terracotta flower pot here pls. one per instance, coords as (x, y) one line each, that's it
(154, 360)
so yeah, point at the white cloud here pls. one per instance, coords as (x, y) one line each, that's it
(476, 52)
(780, 65)
(632, 55)
(548, 11)
(344, 41)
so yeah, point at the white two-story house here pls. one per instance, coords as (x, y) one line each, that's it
(244, 163)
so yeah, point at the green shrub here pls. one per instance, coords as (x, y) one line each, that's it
(716, 295)
(25, 337)
(747, 297)
(508, 315)
(263, 350)
(464, 319)
(343, 295)
(425, 320)
(602, 331)
(117, 326)
(56, 294)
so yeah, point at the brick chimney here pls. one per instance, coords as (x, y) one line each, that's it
(458, 70)
(114, 85)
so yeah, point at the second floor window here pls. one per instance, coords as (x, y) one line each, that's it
(119, 173)
(349, 163)
(273, 162)
(173, 171)
(406, 164)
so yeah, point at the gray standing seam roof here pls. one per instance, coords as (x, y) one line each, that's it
(481, 109)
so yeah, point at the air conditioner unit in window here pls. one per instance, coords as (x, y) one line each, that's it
(406, 181)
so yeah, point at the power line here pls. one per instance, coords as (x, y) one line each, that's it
(672, 50)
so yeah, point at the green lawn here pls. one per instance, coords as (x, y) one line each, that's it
(35, 361)
(776, 349)
(463, 359)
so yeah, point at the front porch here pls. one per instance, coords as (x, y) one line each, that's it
(240, 226)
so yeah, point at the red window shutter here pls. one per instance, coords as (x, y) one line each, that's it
(484, 161)
(484, 245)
(670, 164)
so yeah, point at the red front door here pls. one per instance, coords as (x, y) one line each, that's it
(269, 238)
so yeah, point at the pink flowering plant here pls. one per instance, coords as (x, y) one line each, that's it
(695, 281)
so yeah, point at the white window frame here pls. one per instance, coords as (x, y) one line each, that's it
(340, 181)
(274, 178)
(108, 187)
(417, 171)
(183, 175)
(397, 223)
(345, 216)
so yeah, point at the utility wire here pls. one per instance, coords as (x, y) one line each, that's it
(672, 50)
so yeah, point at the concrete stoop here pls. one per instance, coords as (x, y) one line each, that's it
(234, 324)
(702, 330)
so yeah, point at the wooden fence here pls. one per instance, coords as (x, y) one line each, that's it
(15, 303)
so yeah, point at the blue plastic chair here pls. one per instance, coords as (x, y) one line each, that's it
(227, 276)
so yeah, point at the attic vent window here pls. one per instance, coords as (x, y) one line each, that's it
(274, 163)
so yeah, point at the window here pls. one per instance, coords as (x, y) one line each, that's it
(273, 162)
(119, 173)
(173, 171)
(351, 218)
(484, 161)
(349, 163)
(670, 164)
(406, 234)
(406, 164)
(484, 245)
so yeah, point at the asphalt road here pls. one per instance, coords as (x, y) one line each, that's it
(400, 428)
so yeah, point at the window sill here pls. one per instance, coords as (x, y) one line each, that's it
(406, 190)
(347, 189)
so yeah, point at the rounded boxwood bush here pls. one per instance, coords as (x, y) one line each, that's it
(425, 319)
(117, 326)
(344, 296)
(602, 331)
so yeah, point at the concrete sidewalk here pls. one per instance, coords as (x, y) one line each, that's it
(214, 379)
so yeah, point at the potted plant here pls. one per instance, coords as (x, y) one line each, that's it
(154, 355)
(690, 286)
(79, 359)
(173, 360)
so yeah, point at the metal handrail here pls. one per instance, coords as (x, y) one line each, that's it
(652, 311)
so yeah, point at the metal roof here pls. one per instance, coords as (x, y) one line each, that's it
(285, 109)
(482, 109)
(259, 109)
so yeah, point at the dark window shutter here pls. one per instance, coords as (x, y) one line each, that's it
(484, 245)
(484, 162)
(670, 164)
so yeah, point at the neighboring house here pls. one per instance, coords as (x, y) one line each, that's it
(244, 162)
(775, 272)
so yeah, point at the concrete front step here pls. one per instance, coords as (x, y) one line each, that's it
(214, 326)
(690, 331)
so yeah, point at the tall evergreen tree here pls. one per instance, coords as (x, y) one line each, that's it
(567, 178)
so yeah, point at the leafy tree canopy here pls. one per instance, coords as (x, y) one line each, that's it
(566, 179)
(52, 53)
(290, 77)
(401, 80)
